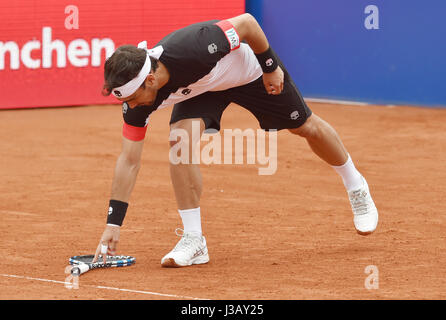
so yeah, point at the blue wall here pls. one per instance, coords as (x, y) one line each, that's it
(330, 53)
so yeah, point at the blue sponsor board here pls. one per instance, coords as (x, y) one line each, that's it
(376, 51)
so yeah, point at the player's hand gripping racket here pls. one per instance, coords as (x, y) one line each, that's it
(82, 264)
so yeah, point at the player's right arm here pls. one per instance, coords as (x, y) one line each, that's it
(126, 172)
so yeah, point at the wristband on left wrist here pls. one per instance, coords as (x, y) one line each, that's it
(268, 60)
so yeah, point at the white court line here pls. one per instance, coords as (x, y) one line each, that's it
(106, 288)
(19, 213)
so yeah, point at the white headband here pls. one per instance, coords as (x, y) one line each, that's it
(130, 87)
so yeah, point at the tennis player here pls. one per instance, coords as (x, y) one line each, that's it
(201, 69)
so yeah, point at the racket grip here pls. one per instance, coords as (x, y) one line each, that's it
(80, 269)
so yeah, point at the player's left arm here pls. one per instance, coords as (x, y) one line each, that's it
(249, 30)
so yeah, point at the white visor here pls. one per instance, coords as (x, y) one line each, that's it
(130, 87)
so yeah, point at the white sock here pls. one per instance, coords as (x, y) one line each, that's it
(350, 175)
(191, 220)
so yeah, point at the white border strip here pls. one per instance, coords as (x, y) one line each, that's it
(106, 288)
(350, 103)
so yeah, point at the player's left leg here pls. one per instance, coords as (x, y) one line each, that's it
(289, 111)
(325, 142)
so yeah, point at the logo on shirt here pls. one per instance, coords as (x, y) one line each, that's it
(125, 107)
(186, 91)
(212, 48)
(233, 38)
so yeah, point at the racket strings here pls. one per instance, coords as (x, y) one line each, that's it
(111, 261)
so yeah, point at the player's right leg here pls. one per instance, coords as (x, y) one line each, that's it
(203, 112)
(185, 174)
(187, 185)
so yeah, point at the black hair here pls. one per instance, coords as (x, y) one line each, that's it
(124, 65)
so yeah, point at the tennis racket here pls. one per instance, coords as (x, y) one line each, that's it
(82, 264)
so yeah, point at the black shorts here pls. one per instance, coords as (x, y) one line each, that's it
(287, 110)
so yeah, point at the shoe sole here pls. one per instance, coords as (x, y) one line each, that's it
(171, 263)
(366, 233)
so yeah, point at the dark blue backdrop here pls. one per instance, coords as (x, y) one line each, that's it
(330, 53)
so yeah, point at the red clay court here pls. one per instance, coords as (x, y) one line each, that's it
(285, 236)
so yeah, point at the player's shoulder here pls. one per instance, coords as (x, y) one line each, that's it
(188, 30)
(191, 37)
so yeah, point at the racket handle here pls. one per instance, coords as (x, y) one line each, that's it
(80, 269)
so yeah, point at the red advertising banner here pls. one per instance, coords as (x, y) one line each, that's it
(52, 52)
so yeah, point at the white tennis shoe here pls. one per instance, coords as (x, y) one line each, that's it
(191, 249)
(365, 214)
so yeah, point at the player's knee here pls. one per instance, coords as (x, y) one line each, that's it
(309, 129)
(180, 138)
(180, 132)
(184, 135)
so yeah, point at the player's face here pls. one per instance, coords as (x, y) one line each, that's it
(143, 96)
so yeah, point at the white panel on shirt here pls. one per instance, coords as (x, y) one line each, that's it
(237, 68)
